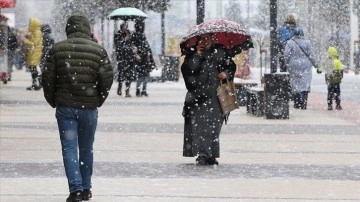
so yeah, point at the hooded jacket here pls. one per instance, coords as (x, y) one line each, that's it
(77, 72)
(33, 43)
(333, 67)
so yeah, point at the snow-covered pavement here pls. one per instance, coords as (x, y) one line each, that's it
(313, 156)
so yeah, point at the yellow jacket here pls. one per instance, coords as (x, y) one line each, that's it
(33, 43)
(334, 73)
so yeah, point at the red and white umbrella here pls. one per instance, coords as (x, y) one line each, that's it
(7, 3)
(227, 33)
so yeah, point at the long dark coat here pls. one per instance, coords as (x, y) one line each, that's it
(202, 112)
(125, 58)
(147, 63)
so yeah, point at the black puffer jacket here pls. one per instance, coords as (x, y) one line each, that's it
(77, 71)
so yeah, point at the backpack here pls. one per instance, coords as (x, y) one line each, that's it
(285, 34)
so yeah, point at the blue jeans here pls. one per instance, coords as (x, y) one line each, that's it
(77, 127)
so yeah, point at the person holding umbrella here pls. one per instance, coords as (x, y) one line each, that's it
(202, 71)
(126, 58)
(208, 51)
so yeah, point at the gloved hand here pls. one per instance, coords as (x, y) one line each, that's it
(318, 71)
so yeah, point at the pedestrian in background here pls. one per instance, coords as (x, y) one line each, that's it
(33, 42)
(202, 71)
(299, 59)
(77, 79)
(333, 76)
(285, 33)
(8, 42)
(146, 63)
(119, 38)
(126, 56)
(48, 42)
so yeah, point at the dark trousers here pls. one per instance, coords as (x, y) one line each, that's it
(333, 90)
(34, 75)
(301, 99)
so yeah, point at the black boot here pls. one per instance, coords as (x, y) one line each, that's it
(86, 195)
(138, 93)
(127, 93)
(338, 107)
(143, 93)
(34, 86)
(75, 197)
(330, 107)
(119, 89)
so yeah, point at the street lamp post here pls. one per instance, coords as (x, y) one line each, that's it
(163, 27)
(276, 87)
(200, 11)
(273, 36)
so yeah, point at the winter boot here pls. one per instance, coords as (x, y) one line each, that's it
(34, 86)
(138, 93)
(143, 93)
(338, 107)
(86, 195)
(330, 107)
(127, 93)
(119, 89)
(75, 197)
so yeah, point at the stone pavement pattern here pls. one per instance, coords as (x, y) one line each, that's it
(313, 156)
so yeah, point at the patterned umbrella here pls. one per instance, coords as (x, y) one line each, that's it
(228, 33)
(7, 3)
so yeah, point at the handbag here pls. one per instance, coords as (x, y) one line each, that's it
(227, 97)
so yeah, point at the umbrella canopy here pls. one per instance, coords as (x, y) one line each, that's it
(127, 13)
(228, 33)
(7, 3)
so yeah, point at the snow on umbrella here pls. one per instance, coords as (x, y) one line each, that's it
(7, 3)
(228, 33)
(127, 13)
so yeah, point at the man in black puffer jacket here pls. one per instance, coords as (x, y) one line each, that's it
(77, 79)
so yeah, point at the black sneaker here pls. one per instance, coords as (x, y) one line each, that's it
(212, 161)
(138, 93)
(75, 197)
(33, 88)
(86, 195)
(144, 94)
(338, 107)
(202, 161)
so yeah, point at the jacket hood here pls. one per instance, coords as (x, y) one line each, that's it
(332, 52)
(34, 24)
(45, 28)
(78, 26)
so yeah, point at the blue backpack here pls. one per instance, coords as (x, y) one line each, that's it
(285, 34)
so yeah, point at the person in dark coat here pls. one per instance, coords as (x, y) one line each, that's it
(202, 71)
(126, 60)
(77, 79)
(8, 42)
(146, 63)
(48, 42)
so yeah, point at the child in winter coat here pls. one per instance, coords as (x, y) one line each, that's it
(333, 76)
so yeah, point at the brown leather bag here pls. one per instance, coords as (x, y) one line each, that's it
(227, 97)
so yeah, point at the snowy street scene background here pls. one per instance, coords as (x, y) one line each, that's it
(314, 155)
